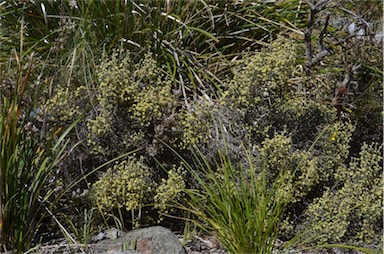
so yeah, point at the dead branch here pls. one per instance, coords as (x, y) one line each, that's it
(340, 92)
(315, 8)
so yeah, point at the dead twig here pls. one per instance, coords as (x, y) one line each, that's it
(315, 9)
(341, 91)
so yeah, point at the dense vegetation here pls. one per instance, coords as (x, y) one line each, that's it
(255, 120)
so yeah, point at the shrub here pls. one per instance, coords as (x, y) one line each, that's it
(127, 185)
(259, 86)
(170, 190)
(351, 211)
(301, 167)
(301, 117)
(135, 99)
(61, 106)
(334, 150)
(245, 109)
(130, 186)
(197, 122)
(133, 104)
(261, 78)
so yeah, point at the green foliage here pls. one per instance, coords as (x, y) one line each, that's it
(301, 117)
(61, 105)
(130, 185)
(142, 92)
(248, 101)
(252, 98)
(182, 91)
(230, 199)
(196, 122)
(137, 103)
(127, 99)
(352, 210)
(83, 233)
(335, 150)
(301, 167)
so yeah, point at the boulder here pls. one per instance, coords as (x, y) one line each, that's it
(152, 240)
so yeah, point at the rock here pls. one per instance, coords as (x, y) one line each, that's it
(152, 240)
(111, 233)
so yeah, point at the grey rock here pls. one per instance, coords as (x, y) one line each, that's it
(152, 240)
(111, 233)
(122, 252)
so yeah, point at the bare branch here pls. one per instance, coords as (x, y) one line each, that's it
(351, 69)
(367, 25)
(310, 60)
(340, 93)
(321, 5)
(318, 57)
(316, 8)
(323, 33)
(307, 36)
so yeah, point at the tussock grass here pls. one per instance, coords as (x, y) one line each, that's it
(238, 204)
(25, 168)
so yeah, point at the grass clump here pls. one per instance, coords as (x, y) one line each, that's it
(185, 36)
(25, 167)
(248, 205)
(239, 204)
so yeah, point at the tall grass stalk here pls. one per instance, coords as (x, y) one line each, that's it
(194, 39)
(25, 167)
